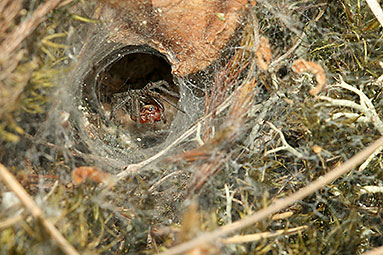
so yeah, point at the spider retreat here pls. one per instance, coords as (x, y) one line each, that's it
(145, 105)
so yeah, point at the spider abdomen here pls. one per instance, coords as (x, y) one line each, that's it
(150, 113)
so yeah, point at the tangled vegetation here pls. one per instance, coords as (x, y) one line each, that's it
(258, 128)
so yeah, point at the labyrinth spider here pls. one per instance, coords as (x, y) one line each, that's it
(144, 105)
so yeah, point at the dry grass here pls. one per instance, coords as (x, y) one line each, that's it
(270, 152)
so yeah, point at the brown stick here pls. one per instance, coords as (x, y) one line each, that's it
(376, 9)
(280, 203)
(27, 27)
(376, 251)
(35, 210)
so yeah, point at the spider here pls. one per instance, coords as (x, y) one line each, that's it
(144, 105)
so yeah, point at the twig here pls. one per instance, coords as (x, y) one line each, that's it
(198, 138)
(283, 215)
(27, 27)
(377, 251)
(35, 210)
(280, 203)
(55, 185)
(370, 158)
(370, 190)
(285, 145)
(133, 168)
(376, 10)
(11, 221)
(229, 199)
(162, 180)
(258, 236)
(287, 54)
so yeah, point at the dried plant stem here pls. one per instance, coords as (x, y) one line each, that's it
(376, 10)
(229, 199)
(133, 168)
(285, 146)
(377, 251)
(280, 203)
(13, 41)
(259, 236)
(162, 180)
(35, 210)
(370, 190)
(11, 221)
(283, 215)
(287, 54)
(11, 8)
(370, 158)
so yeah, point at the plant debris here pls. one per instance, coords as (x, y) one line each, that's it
(191, 127)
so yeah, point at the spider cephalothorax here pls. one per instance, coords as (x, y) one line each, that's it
(144, 105)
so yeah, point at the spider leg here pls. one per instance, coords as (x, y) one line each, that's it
(160, 105)
(158, 102)
(121, 103)
(154, 94)
(135, 108)
(163, 86)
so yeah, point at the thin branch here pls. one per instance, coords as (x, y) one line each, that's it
(258, 236)
(371, 190)
(377, 251)
(35, 210)
(286, 146)
(162, 180)
(370, 158)
(283, 215)
(280, 203)
(229, 199)
(376, 10)
(11, 221)
(287, 54)
(27, 27)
